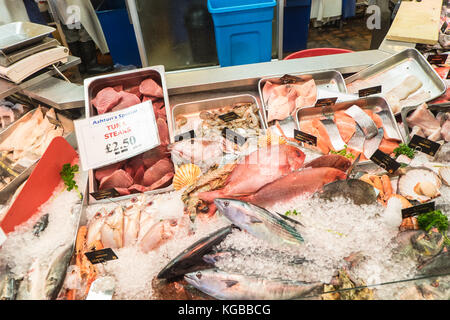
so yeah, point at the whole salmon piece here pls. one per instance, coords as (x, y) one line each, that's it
(295, 184)
(258, 169)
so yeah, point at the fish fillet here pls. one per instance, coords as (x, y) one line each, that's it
(346, 125)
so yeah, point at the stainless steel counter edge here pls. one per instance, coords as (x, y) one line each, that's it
(186, 81)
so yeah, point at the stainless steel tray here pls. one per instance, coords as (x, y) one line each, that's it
(444, 107)
(328, 82)
(128, 79)
(9, 189)
(371, 103)
(192, 109)
(407, 62)
(16, 35)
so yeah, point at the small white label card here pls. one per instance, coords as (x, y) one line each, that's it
(111, 137)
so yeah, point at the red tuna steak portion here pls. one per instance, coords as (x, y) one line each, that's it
(119, 179)
(157, 171)
(106, 99)
(149, 87)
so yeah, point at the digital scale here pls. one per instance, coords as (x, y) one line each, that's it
(25, 49)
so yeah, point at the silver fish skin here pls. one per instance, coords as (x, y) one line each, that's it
(258, 221)
(366, 123)
(371, 145)
(334, 135)
(8, 286)
(57, 272)
(391, 133)
(227, 286)
(357, 140)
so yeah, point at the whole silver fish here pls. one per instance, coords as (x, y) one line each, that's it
(371, 145)
(227, 286)
(190, 259)
(44, 280)
(366, 123)
(258, 221)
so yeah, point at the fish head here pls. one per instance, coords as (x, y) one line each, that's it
(295, 157)
(238, 212)
(210, 281)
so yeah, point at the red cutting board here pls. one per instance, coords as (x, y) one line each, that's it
(40, 185)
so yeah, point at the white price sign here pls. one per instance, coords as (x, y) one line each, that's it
(116, 136)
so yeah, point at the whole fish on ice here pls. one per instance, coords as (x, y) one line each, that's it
(259, 222)
(227, 286)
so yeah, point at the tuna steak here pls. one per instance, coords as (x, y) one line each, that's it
(258, 169)
(126, 100)
(157, 171)
(295, 184)
(119, 179)
(149, 87)
(106, 99)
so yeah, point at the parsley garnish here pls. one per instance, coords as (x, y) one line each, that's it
(344, 153)
(68, 174)
(404, 149)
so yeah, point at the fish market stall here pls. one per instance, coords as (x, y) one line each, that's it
(276, 180)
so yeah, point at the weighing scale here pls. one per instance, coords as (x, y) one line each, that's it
(25, 49)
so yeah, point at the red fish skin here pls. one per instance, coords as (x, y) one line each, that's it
(306, 181)
(258, 169)
(331, 161)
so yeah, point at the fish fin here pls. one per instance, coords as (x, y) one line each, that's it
(289, 219)
(254, 220)
(230, 283)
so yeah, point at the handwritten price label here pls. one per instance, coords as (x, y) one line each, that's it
(116, 136)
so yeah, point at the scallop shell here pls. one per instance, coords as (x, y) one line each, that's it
(408, 183)
(444, 172)
(186, 175)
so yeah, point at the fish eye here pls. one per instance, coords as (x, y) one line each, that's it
(199, 275)
(173, 223)
(226, 203)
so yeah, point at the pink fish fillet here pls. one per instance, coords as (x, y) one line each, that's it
(258, 169)
(445, 131)
(423, 118)
(306, 181)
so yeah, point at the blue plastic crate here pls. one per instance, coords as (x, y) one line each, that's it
(243, 30)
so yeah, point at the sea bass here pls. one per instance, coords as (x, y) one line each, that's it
(259, 222)
(226, 286)
(306, 181)
(258, 169)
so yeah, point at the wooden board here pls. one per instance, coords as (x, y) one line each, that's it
(417, 22)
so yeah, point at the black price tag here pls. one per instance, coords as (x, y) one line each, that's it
(369, 91)
(424, 145)
(185, 136)
(105, 194)
(384, 161)
(444, 27)
(101, 256)
(326, 102)
(448, 75)
(230, 116)
(437, 58)
(301, 136)
(419, 209)
(233, 136)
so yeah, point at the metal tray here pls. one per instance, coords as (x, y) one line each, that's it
(16, 35)
(192, 109)
(9, 189)
(435, 108)
(327, 82)
(128, 79)
(8, 59)
(407, 62)
(364, 103)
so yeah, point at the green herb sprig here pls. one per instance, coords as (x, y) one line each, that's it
(344, 153)
(435, 219)
(404, 149)
(291, 213)
(68, 174)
